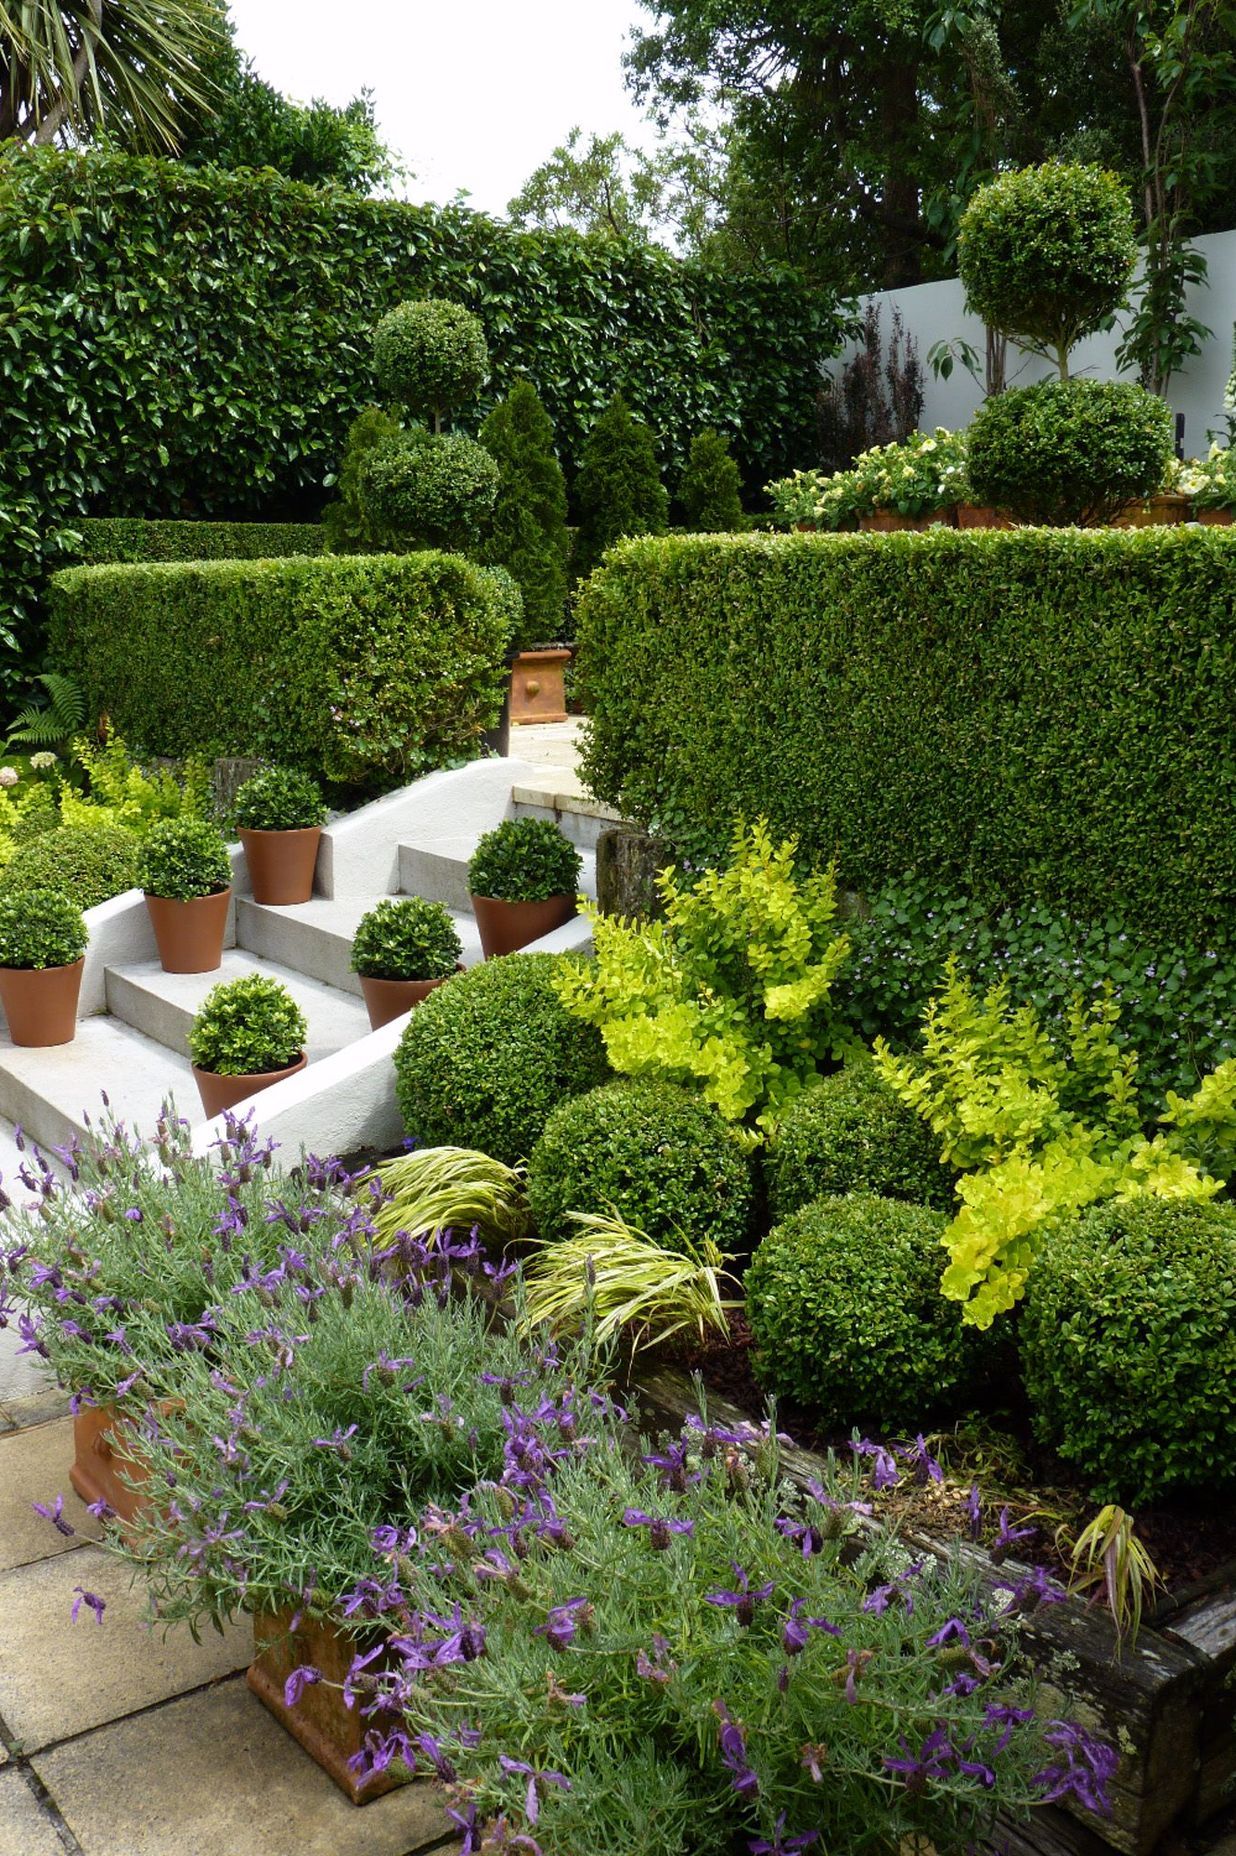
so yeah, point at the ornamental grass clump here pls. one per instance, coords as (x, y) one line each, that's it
(41, 928)
(406, 938)
(280, 799)
(183, 858)
(608, 1277)
(249, 1026)
(435, 1189)
(668, 1652)
(524, 860)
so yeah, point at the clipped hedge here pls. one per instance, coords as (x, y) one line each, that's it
(193, 342)
(1027, 714)
(359, 668)
(131, 539)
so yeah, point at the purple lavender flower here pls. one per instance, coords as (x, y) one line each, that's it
(306, 1676)
(655, 1668)
(519, 1767)
(55, 1514)
(796, 1631)
(661, 1528)
(922, 1463)
(743, 1601)
(953, 1629)
(564, 1622)
(672, 1460)
(1008, 1537)
(89, 1599)
(1084, 1770)
(1037, 1588)
(917, 1770)
(974, 1511)
(733, 1745)
(884, 1471)
(877, 1602)
(780, 1844)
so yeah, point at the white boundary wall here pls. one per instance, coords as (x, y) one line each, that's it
(936, 312)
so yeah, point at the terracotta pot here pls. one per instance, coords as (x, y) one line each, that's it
(329, 1732)
(1213, 518)
(189, 935)
(281, 864)
(105, 1445)
(505, 927)
(41, 1004)
(220, 1092)
(538, 692)
(978, 515)
(387, 999)
(888, 521)
(1153, 512)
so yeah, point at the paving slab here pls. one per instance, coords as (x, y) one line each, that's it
(34, 1467)
(38, 1407)
(25, 1829)
(213, 1774)
(59, 1678)
(20, 1375)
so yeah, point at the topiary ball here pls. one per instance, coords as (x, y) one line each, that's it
(845, 1306)
(1069, 450)
(430, 355)
(486, 1060)
(1128, 1347)
(87, 863)
(665, 1161)
(430, 492)
(849, 1133)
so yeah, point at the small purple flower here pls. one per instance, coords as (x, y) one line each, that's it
(532, 1807)
(743, 1601)
(671, 1460)
(884, 1472)
(564, 1621)
(55, 1514)
(796, 1631)
(733, 1744)
(918, 1769)
(655, 1668)
(661, 1528)
(1083, 1771)
(89, 1599)
(924, 1466)
(780, 1844)
(974, 1511)
(877, 1602)
(953, 1629)
(300, 1679)
(1008, 1537)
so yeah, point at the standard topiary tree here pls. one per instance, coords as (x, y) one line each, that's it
(1069, 451)
(429, 492)
(618, 489)
(430, 356)
(1046, 254)
(850, 1133)
(710, 489)
(528, 535)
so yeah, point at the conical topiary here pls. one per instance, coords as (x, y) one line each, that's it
(711, 487)
(618, 489)
(529, 535)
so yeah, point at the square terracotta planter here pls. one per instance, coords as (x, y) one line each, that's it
(538, 690)
(330, 1732)
(105, 1445)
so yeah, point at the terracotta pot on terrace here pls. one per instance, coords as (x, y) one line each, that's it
(888, 521)
(388, 999)
(281, 864)
(105, 1447)
(505, 927)
(189, 935)
(41, 1003)
(538, 691)
(329, 1732)
(978, 515)
(1153, 512)
(220, 1092)
(1213, 518)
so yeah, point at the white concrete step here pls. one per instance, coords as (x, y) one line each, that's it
(50, 1093)
(162, 1005)
(438, 868)
(559, 797)
(316, 937)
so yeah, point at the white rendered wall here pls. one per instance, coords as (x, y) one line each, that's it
(936, 312)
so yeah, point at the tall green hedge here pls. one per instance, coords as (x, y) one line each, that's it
(1037, 713)
(362, 668)
(190, 342)
(107, 539)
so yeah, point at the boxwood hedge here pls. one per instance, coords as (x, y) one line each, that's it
(1026, 714)
(106, 539)
(361, 668)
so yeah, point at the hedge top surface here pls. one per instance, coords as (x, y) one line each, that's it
(106, 540)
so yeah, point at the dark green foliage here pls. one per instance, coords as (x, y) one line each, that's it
(370, 668)
(1177, 1003)
(618, 488)
(524, 860)
(528, 535)
(247, 1027)
(87, 863)
(485, 1061)
(219, 342)
(1030, 715)
(40, 928)
(346, 524)
(406, 938)
(280, 799)
(849, 1133)
(107, 539)
(1069, 450)
(656, 1154)
(430, 357)
(1128, 1347)
(844, 1303)
(183, 857)
(710, 489)
(1046, 253)
(428, 492)
(53, 722)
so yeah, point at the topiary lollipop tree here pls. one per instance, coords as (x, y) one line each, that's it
(430, 356)
(1046, 255)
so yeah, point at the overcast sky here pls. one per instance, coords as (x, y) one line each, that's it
(473, 94)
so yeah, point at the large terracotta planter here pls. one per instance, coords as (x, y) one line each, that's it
(1213, 518)
(1154, 512)
(387, 999)
(41, 1004)
(281, 864)
(538, 692)
(978, 515)
(189, 935)
(220, 1092)
(505, 927)
(104, 1445)
(890, 521)
(329, 1732)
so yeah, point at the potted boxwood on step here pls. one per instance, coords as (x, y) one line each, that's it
(523, 876)
(42, 950)
(404, 947)
(249, 1033)
(279, 819)
(187, 877)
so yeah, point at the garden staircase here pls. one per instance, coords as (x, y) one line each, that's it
(132, 1035)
